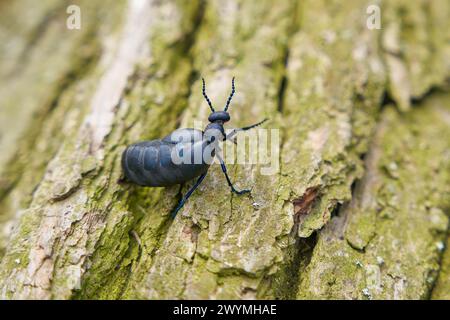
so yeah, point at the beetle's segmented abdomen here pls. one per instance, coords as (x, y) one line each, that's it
(140, 163)
(150, 163)
(150, 159)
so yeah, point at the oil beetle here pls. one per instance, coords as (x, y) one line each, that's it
(156, 163)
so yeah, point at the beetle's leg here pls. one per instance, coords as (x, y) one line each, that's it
(234, 131)
(188, 194)
(224, 170)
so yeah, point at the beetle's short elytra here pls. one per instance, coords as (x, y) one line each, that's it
(149, 163)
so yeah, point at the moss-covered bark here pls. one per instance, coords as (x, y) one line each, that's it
(441, 289)
(387, 242)
(37, 99)
(70, 230)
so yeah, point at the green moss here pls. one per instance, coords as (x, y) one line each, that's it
(442, 286)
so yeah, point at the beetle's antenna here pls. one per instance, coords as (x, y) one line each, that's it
(234, 131)
(206, 97)
(231, 95)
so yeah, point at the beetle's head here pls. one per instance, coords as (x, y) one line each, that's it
(219, 116)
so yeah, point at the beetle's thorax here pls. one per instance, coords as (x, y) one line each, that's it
(214, 129)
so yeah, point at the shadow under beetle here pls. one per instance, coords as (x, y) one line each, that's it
(156, 163)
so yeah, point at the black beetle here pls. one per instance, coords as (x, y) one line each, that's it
(156, 163)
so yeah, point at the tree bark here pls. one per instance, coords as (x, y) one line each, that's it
(359, 209)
